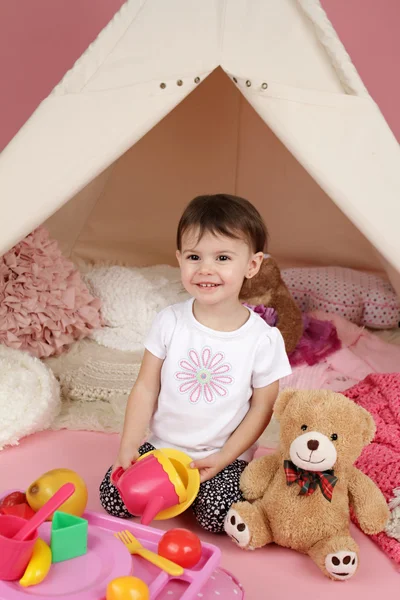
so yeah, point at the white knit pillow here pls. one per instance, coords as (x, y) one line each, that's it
(29, 396)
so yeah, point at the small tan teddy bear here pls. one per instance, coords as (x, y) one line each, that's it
(269, 289)
(300, 496)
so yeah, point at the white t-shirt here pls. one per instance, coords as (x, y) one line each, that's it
(207, 377)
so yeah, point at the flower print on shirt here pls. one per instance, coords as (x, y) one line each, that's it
(205, 376)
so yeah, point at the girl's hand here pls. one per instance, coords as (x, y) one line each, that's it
(125, 458)
(209, 466)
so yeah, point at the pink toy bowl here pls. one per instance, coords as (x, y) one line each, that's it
(14, 555)
(149, 486)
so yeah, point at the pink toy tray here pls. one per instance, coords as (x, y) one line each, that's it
(86, 577)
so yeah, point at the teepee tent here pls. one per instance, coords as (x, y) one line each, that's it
(182, 97)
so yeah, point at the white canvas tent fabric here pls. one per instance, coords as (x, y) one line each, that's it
(337, 203)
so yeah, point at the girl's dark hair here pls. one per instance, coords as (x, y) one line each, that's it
(227, 215)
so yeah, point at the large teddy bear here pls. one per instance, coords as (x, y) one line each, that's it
(300, 496)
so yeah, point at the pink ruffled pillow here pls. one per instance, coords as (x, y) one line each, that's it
(362, 298)
(44, 304)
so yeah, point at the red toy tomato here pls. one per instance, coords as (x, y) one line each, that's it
(19, 510)
(13, 499)
(181, 546)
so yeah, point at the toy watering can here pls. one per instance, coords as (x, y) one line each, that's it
(160, 484)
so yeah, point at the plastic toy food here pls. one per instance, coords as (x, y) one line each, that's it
(31, 526)
(13, 499)
(127, 588)
(18, 510)
(108, 559)
(181, 546)
(38, 566)
(41, 490)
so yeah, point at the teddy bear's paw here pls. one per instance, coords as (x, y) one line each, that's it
(341, 565)
(237, 529)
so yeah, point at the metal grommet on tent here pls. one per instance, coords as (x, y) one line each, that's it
(163, 86)
(197, 79)
(264, 85)
(234, 79)
(248, 83)
(179, 82)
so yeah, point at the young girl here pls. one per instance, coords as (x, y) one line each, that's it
(211, 367)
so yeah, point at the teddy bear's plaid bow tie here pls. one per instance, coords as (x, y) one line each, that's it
(309, 480)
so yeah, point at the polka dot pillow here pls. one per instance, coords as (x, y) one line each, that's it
(361, 298)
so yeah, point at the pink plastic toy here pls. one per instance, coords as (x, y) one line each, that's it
(14, 555)
(146, 487)
(87, 577)
(18, 536)
(45, 511)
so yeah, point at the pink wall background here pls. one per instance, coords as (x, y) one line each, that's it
(41, 39)
(369, 29)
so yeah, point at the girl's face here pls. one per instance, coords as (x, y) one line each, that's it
(214, 267)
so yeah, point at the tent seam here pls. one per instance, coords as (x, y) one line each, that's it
(83, 60)
(222, 32)
(339, 57)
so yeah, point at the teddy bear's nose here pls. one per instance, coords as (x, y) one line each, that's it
(312, 444)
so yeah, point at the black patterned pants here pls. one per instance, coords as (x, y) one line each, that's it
(211, 505)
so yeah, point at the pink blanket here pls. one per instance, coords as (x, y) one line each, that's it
(361, 354)
(380, 395)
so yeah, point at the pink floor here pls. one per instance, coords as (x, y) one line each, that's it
(272, 573)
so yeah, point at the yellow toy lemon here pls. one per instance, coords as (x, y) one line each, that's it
(43, 488)
(127, 588)
(38, 566)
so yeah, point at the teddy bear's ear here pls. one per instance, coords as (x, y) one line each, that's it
(282, 402)
(368, 426)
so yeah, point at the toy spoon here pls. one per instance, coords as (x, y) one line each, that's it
(45, 511)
